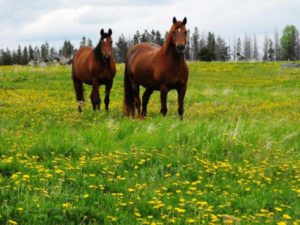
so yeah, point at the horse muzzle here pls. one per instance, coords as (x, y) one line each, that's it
(180, 48)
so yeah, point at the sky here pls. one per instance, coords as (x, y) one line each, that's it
(33, 22)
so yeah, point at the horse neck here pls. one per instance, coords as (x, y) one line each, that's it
(169, 50)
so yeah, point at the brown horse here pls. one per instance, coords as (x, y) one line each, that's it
(157, 68)
(94, 67)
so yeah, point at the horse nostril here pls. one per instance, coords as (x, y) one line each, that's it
(180, 48)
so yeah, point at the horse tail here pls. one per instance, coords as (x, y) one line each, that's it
(128, 93)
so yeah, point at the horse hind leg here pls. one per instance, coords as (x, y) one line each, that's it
(78, 87)
(136, 95)
(145, 100)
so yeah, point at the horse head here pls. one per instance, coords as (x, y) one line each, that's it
(106, 44)
(179, 34)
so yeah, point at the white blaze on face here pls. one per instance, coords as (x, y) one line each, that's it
(179, 29)
(104, 39)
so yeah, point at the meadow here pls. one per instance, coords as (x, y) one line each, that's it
(233, 159)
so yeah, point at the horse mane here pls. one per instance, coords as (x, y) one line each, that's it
(97, 50)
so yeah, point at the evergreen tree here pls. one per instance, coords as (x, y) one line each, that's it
(121, 49)
(30, 52)
(195, 44)
(136, 37)
(188, 47)
(265, 48)
(83, 41)
(270, 50)
(297, 46)
(152, 36)
(25, 57)
(247, 47)
(53, 54)
(145, 37)
(14, 57)
(238, 48)
(234, 50)
(276, 46)
(45, 51)
(36, 54)
(158, 38)
(19, 56)
(221, 50)
(89, 42)
(7, 57)
(255, 48)
(67, 50)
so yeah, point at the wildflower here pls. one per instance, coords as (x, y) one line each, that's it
(180, 210)
(281, 223)
(86, 196)
(190, 220)
(286, 216)
(66, 205)
(278, 209)
(12, 222)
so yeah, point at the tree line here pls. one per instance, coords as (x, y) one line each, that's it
(202, 47)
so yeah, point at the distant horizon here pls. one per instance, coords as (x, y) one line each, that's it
(31, 22)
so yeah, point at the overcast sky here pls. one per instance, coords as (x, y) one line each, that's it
(35, 21)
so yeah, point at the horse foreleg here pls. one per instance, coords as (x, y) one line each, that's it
(181, 93)
(107, 93)
(78, 87)
(163, 100)
(145, 100)
(136, 96)
(95, 97)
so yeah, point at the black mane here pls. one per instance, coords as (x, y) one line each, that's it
(97, 49)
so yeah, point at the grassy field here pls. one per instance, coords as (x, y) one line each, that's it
(234, 159)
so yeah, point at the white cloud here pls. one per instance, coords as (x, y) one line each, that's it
(31, 21)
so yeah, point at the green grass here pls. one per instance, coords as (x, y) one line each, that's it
(235, 158)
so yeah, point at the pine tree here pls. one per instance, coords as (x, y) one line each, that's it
(158, 38)
(234, 50)
(36, 54)
(30, 52)
(276, 46)
(221, 50)
(67, 50)
(83, 41)
(238, 48)
(89, 42)
(145, 37)
(7, 57)
(45, 51)
(265, 48)
(19, 56)
(121, 49)
(25, 57)
(247, 46)
(195, 44)
(255, 48)
(270, 50)
(136, 37)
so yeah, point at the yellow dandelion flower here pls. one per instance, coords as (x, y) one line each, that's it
(286, 216)
(191, 220)
(131, 190)
(86, 196)
(278, 209)
(281, 223)
(137, 214)
(12, 222)
(180, 210)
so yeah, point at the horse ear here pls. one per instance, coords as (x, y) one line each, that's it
(102, 32)
(110, 31)
(184, 21)
(174, 19)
